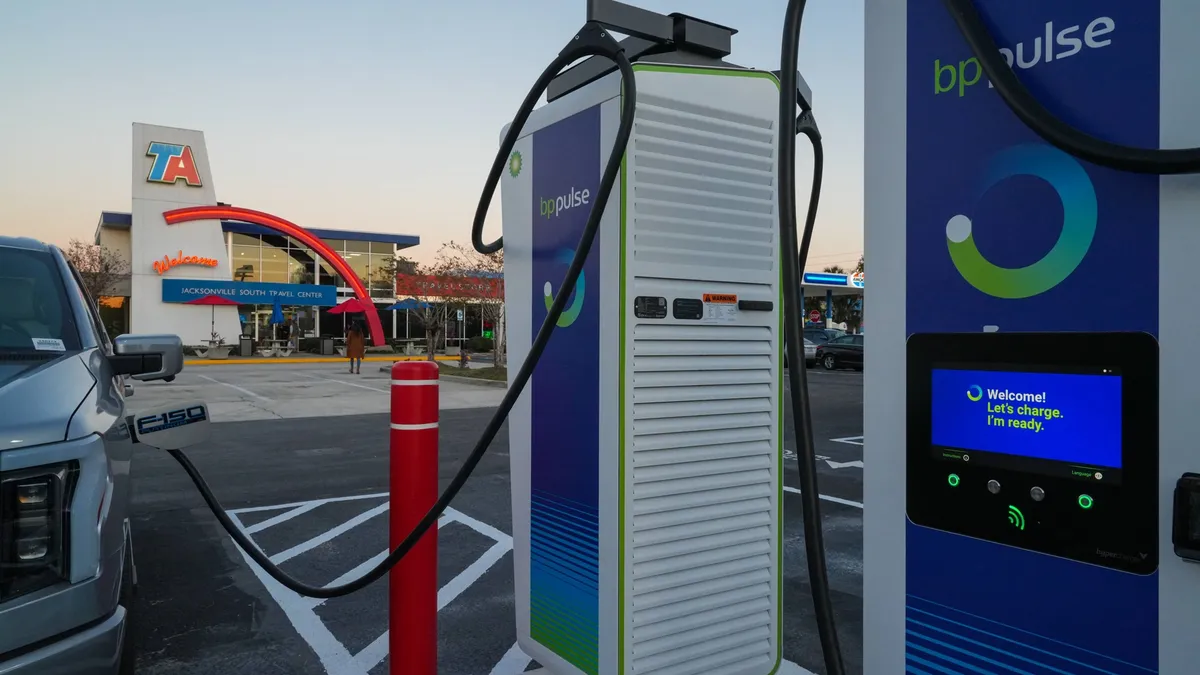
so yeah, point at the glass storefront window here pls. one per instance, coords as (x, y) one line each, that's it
(274, 266)
(328, 277)
(303, 260)
(300, 273)
(360, 264)
(337, 245)
(295, 243)
(244, 239)
(358, 247)
(246, 263)
(305, 318)
(384, 249)
(383, 280)
(278, 241)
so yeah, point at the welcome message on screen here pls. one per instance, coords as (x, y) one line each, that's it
(1067, 418)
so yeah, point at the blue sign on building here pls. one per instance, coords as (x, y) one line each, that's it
(249, 292)
(824, 278)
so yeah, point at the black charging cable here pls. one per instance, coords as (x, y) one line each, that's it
(793, 314)
(592, 40)
(1052, 129)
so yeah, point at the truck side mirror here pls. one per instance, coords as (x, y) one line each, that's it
(147, 357)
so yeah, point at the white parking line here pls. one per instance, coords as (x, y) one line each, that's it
(835, 500)
(366, 566)
(317, 502)
(348, 384)
(281, 518)
(842, 465)
(284, 556)
(234, 387)
(374, 652)
(514, 662)
(333, 655)
(850, 440)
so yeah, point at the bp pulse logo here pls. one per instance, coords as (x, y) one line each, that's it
(556, 206)
(515, 162)
(172, 163)
(564, 257)
(1074, 188)
(974, 392)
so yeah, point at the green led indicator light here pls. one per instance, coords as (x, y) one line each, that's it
(1016, 518)
(1085, 502)
(952, 479)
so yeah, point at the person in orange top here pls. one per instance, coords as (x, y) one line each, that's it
(356, 346)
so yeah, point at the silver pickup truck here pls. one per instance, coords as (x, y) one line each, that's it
(66, 554)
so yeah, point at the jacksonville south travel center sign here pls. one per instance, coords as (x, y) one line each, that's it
(249, 292)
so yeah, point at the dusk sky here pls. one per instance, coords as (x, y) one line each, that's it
(367, 115)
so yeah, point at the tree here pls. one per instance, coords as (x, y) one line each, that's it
(425, 284)
(485, 288)
(859, 267)
(100, 268)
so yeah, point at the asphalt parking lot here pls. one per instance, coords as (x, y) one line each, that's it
(311, 491)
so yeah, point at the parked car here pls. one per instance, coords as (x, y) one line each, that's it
(66, 557)
(810, 354)
(842, 352)
(820, 336)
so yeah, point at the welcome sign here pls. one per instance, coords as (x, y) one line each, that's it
(249, 292)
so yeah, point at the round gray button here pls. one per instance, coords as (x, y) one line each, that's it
(994, 486)
(1038, 494)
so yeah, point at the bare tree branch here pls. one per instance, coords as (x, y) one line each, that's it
(425, 284)
(101, 268)
(483, 287)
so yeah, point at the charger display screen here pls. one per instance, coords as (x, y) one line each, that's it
(1046, 442)
(1073, 419)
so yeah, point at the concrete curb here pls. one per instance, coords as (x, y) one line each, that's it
(479, 382)
(315, 359)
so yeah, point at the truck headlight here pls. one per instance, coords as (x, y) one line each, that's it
(34, 527)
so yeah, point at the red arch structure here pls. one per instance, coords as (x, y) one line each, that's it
(292, 230)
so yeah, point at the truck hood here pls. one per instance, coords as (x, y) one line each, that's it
(39, 399)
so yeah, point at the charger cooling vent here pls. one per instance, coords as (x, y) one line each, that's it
(702, 395)
(703, 184)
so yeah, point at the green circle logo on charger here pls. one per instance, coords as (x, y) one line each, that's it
(565, 256)
(1080, 211)
(975, 392)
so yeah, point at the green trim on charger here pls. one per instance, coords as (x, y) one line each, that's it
(720, 72)
(621, 432)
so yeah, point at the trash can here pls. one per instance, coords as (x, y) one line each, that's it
(326, 346)
(246, 346)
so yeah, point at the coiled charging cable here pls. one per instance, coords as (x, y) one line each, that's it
(591, 40)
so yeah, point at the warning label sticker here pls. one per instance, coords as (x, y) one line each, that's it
(720, 308)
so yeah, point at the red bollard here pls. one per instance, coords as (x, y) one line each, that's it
(412, 602)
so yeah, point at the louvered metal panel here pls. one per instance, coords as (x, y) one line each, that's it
(702, 406)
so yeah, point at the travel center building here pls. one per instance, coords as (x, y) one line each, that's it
(181, 244)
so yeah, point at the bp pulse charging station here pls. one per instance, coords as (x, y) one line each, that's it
(1036, 314)
(646, 450)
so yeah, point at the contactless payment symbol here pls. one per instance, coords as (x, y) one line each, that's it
(1074, 188)
(974, 392)
(565, 256)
